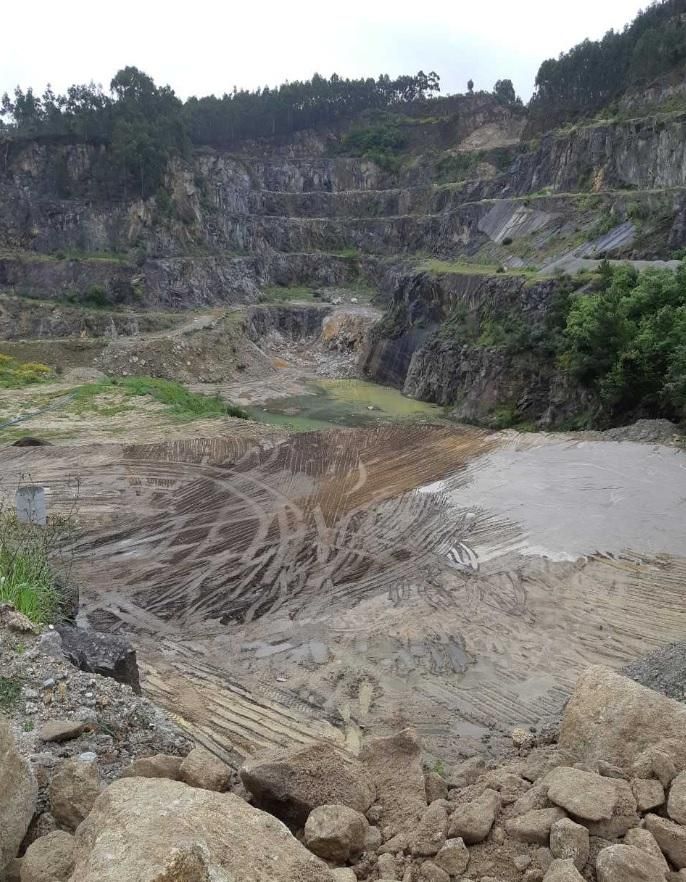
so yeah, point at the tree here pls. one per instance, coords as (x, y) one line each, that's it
(470, 87)
(504, 91)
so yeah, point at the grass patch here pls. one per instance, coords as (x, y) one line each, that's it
(460, 267)
(10, 692)
(15, 374)
(182, 403)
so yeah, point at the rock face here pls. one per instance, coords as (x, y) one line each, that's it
(49, 859)
(289, 784)
(165, 831)
(18, 791)
(395, 771)
(202, 769)
(624, 863)
(336, 832)
(104, 654)
(473, 822)
(73, 789)
(614, 719)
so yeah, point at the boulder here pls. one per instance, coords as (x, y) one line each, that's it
(202, 769)
(624, 863)
(161, 765)
(466, 772)
(644, 839)
(49, 858)
(373, 839)
(387, 866)
(453, 857)
(394, 766)
(648, 792)
(534, 826)
(659, 761)
(676, 804)
(670, 837)
(73, 789)
(166, 831)
(18, 801)
(104, 654)
(336, 832)
(623, 818)
(472, 822)
(289, 784)
(612, 718)
(584, 794)
(570, 841)
(563, 871)
(429, 835)
(61, 730)
(435, 786)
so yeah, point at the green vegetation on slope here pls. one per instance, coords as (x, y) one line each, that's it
(15, 374)
(593, 73)
(183, 404)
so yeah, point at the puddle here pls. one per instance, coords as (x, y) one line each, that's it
(336, 403)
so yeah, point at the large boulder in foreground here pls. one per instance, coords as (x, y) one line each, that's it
(157, 830)
(18, 793)
(612, 718)
(290, 783)
(395, 767)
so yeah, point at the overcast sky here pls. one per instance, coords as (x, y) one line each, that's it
(208, 46)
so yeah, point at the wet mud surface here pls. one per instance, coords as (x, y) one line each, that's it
(355, 580)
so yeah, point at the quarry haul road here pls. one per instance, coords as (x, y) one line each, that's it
(356, 580)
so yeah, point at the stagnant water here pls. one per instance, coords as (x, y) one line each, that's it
(336, 403)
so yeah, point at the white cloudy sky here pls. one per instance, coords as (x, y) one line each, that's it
(205, 46)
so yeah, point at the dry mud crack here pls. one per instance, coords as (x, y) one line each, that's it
(357, 580)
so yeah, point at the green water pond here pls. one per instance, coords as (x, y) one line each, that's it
(353, 403)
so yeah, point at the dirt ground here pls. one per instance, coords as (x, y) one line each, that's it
(358, 580)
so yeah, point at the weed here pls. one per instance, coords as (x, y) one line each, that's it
(15, 373)
(10, 691)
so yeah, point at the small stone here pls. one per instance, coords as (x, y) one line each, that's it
(49, 683)
(570, 841)
(670, 837)
(396, 844)
(61, 730)
(466, 772)
(676, 804)
(583, 794)
(345, 874)
(453, 857)
(521, 862)
(473, 821)
(430, 872)
(534, 826)
(435, 786)
(388, 866)
(649, 793)
(49, 859)
(202, 769)
(624, 863)
(521, 738)
(429, 834)
(335, 832)
(563, 871)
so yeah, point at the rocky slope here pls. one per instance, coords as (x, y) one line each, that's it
(94, 793)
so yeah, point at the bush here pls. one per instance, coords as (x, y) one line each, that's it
(15, 373)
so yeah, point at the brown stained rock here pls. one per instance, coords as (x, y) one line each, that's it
(155, 829)
(676, 804)
(18, 793)
(61, 730)
(583, 794)
(472, 822)
(670, 837)
(429, 835)
(394, 769)
(336, 832)
(624, 863)
(49, 859)
(73, 789)
(570, 841)
(644, 839)
(453, 857)
(563, 871)
(289, 784)
(534, 826)
(161, 765)
(648, 792)
(203, 769)
(614, 719)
